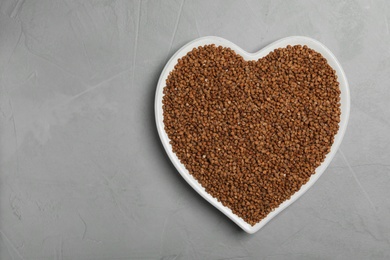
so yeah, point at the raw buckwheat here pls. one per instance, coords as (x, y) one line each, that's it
(251, 132)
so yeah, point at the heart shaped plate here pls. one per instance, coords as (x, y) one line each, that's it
(294, 40)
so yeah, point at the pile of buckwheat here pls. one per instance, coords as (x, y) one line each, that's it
(251, 132)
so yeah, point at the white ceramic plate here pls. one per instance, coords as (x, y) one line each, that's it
(295, 40)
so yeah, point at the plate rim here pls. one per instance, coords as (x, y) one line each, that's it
(292, 40)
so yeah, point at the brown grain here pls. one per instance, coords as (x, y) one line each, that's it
(251, 132)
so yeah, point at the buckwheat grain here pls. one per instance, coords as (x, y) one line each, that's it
(251, 132)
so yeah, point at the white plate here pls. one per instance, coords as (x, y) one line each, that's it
(294, 40)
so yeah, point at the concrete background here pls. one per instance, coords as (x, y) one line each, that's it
(83, 174)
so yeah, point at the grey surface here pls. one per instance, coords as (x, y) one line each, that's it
(83, 174)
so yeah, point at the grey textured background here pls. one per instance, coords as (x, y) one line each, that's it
(83, 174)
